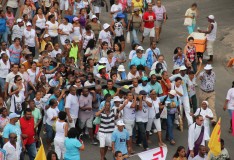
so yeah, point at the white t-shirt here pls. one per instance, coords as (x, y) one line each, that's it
(16, 103)
(51, 112)
(87, 83)
(30, 37)
(52, 28)
(129, 113)
(192, 88)
(179, 89)
(230, 97)
(132, 54)
(200, 158)
(12, 153)
(4, 69)
(72, 103)
(32, 75)
(155, 108)
(115, 8)
(138, 89)
(105, 36)
(54, 53)
(17, 32)
(143, 115)
(66, 29)
(131, 76)
(10, 79)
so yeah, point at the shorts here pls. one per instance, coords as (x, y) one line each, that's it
(104, 139)
(96, 9)
(159, 24)
(119, 39)
(149, 32)
(63, 5)
(73, 123)
(49, 132)
(157, 123)
(86, 123)
(129, 125)
(230, 112)
(210, 47)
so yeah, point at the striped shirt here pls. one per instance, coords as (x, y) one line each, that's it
(107, 122)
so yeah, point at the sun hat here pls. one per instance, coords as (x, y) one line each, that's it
(172, 92)
(19, 20)
(102, 60)
(208, 67)
(121, 68)
(182, 68)
(175, 67)
(120, 123)
(106, 25)
(94, 16)
(211, 17)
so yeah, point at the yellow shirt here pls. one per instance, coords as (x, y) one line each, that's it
(138, 4)
(43, 44)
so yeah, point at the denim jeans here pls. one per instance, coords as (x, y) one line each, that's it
(2, 84)
(191, 28)
(134, 36)
(142, 134)
(170, 123)
(31, 150)
(4, 36)
(194, 65)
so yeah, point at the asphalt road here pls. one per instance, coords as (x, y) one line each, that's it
(174, 34)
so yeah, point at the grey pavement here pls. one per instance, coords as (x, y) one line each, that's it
(174, 34)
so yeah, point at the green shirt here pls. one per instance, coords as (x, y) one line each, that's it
(74, 52)
(157, 87)
(111, 92)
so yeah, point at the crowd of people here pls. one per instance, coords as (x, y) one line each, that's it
(65, 76)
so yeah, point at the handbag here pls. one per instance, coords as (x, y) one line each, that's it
(157, 115)
(128, 38)
(188, 21)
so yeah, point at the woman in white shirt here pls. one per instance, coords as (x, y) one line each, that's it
(65, 29)
(229, 104)
(61, 128)
(33, 73)
(39, 22)
(177, 86)
(52, 28)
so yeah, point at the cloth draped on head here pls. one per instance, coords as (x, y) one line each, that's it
(206, 102)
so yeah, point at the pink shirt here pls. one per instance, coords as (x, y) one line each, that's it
(123, 3)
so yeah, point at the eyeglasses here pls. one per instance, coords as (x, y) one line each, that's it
(19, 79)
(78, 82)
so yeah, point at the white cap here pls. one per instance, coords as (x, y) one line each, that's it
(208, 67)
(140, 48)
(94, 16)
(46, 35)
(13, 115)
(172, 92)
(121, 68)
(211, 17)
(106, 25)
(182, 68)
(175, 67)
(120, 123)
(28, 24)
(117, 99)
(19, 20)
(102, 60)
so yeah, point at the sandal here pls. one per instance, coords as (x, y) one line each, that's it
(172, 142)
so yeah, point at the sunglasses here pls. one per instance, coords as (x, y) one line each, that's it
(19, 79)
(78, 82)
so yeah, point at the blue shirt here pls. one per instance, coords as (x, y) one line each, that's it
(150, 56)
(146, 88)
(120, 139)
(138, 61)
(3, 25)
(61, 102)
(157, 87)
(72, 146)
(9, 128)
(169, 100)
(179, 62)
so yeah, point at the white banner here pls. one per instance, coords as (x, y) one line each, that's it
(159, 153)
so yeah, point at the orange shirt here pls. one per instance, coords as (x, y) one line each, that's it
(164, 87)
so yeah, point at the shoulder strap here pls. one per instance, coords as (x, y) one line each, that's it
(164, 100)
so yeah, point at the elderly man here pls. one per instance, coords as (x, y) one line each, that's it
(211, 36)
(207, 92)
(12, 148)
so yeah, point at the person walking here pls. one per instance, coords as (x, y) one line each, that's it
(207, 92)
(12, 148)
(191, 15)
(211, 36)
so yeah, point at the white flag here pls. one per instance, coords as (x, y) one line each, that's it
(159, 153)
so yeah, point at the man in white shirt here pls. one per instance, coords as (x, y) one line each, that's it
(17, 30)
(72, 107)
(202, 153)
(137, 87)
(4, 70)
(12, 148)
(116, 8)
(196, 136)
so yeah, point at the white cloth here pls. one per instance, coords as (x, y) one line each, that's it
(17, 32)
(12, 153)
(129, 113)
(200, 158)
(66, 29)
(164, 64)
(155, 108)
(16, 102)
(51, 112)
(10, 79)
(55, 52)
(105, 36)
(230, 98)
(116, 7)
(32, 75)
(131, 76)
(4, 69)
(212, 35)
(52, 28)
(72, 103)
(30, 37)
(143, 115)
(104, 139)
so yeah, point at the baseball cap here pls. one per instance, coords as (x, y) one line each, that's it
(208, 67)
(176, 67)
(211, 17)
(140, 48)
(172, 92)
(120, 15)
(46, 35)
(13, 115)
(103, 60)
(121, 68)
(28, 24)
(144, 78)
(120, 123)
(117, 99)
(101, 67)
(19, 20)
(182, 68)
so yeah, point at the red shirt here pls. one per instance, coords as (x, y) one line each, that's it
(149, 16)
(27, 127)
(164, 87)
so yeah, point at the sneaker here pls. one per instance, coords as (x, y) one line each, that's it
(155, 131)
(94, 143)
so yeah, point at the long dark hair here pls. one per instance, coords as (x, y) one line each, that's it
(49, 155)
(91, 44)
(176, 155)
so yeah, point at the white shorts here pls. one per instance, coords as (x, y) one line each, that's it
(210, 47)
(157, 123)
(149, 32)
(63, 5)
(96, 9)
(129, 125)
(104, 139)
